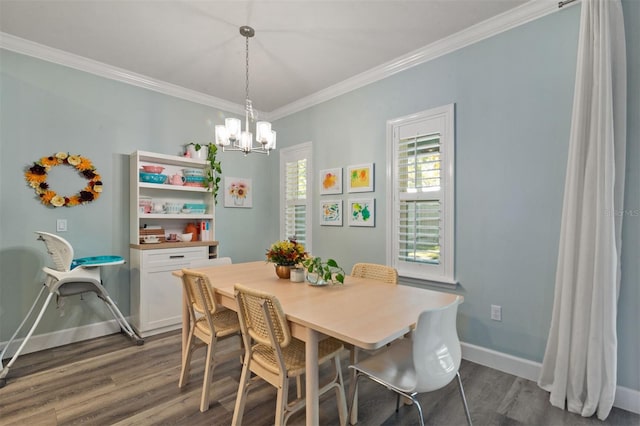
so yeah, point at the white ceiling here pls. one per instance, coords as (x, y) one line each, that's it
(301, 46)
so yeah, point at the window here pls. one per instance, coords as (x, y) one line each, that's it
(421, 182)
(295, 193)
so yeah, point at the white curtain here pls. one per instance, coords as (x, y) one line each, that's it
(580, 361)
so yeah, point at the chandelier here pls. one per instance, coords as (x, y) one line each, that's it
(230, 136)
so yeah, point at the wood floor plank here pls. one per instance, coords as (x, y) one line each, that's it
(111, 381)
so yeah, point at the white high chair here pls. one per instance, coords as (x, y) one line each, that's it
(68, 277)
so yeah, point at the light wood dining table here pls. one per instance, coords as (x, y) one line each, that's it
(365, 313)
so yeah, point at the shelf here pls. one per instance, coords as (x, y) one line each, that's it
(164, 186)
(175, 216)
(176, 244)
(172, 160)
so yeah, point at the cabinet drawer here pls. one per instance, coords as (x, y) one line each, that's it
(167, 257)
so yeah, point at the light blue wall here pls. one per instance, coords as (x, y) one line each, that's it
(46, 108)
(513, 95)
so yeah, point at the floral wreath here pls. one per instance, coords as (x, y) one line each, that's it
(36, 177)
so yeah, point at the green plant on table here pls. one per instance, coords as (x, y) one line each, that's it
(328, 271)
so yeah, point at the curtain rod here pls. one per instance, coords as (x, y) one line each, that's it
(564, 2)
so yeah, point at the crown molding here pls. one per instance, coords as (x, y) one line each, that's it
(520, 15)
(60, 57)
(527, 12)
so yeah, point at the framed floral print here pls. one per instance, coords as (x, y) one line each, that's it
(238, 192)
(360, 178)
(331, 181)
(362, 212)
(331, 212)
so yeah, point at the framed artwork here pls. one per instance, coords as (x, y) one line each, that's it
(362, 212)
(360, 178)
(331, 181)
(238, 192)
(331, 212)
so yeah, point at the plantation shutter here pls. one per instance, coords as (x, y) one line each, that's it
(419, 191)
(296, 200)
(422, 182)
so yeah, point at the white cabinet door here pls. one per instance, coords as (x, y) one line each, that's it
(157, 298)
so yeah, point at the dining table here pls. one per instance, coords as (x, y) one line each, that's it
(362, 312)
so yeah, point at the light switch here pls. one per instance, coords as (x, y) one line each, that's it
(61, 225)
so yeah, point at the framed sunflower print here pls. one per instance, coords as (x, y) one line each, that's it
(238, 192)
(331, 181)
(362, 212)
(360, 178)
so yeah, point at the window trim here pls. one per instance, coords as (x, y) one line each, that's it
(293, 153)
(444, 273)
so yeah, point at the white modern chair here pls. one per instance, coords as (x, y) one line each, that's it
(425, 363)
(68, 277)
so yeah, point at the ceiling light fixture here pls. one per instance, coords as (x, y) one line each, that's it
(230, 135)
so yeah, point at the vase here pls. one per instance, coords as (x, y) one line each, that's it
(283, 271)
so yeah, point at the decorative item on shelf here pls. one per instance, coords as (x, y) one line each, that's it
(158, 233)
(177, 179)
(286, 254)
(152, 169)
(230, 135)
(214, 169)
(323, 273)
(36, 177)
(191, 228)
(152, 177)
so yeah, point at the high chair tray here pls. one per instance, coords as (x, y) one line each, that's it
(97, 261)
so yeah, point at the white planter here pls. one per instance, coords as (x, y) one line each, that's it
(200, 154)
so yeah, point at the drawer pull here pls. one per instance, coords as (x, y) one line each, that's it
(176, 256)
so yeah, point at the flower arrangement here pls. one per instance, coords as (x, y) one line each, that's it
(286, 253)
(36, 177)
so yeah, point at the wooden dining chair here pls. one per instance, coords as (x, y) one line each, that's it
(208, 323)
(373, 271)
(271, 353)
(428, 361)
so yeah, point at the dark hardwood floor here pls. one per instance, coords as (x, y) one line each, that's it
(110, 381)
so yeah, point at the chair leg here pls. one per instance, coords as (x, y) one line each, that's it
(5, 370)
(353, 359)
(186, 362)
(241, 397)
(353, 391)
(397, 402)
(464, 399)
(208, 370)
(340, 396)
(281, 403)
(35, 302)
(417, 404)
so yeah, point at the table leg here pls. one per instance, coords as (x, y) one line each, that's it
(312, 381)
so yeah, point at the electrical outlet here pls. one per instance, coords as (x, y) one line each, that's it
(61, 225)
(496, 312)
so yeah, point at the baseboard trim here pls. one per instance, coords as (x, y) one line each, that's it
(54, 339)
(626, 398)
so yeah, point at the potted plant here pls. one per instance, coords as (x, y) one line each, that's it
(286, 254)
(321, 273)
(214, 171)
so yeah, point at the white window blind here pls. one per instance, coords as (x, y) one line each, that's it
(296, 200)
(419, 199)
(295, 194)
(421, 222)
